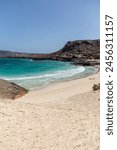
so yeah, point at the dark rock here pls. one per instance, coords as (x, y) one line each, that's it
(96, 87)
(10, 90)
(86, 62)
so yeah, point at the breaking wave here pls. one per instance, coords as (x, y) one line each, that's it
(34, 74)
(54, 75)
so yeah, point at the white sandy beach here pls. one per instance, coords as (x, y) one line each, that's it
(62, 116)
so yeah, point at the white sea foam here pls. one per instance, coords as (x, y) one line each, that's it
(30, 59)
(32, 74)
(36, 81)
(55, 75)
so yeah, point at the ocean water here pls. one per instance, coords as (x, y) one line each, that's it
(33, 74)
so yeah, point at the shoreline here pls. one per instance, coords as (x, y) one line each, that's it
(65, 80)
(61, 90)
(34, 85)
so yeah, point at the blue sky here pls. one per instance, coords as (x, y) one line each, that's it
(46, 25)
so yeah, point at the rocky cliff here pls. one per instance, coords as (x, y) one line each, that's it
(83, 52)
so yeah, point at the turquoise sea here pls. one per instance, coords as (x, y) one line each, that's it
(33, 74)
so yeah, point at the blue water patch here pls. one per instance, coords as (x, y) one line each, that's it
(32, 74)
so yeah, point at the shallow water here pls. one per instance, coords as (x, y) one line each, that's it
(33, 74)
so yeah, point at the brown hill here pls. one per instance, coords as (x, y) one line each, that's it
(83, 52)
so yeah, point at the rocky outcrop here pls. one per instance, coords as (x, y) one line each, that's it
(96, 87)
(10, 90)
(87, 49)
(83, 52)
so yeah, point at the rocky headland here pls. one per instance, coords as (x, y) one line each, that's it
(80, 52)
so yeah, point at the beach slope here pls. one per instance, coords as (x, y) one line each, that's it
(62, 116)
